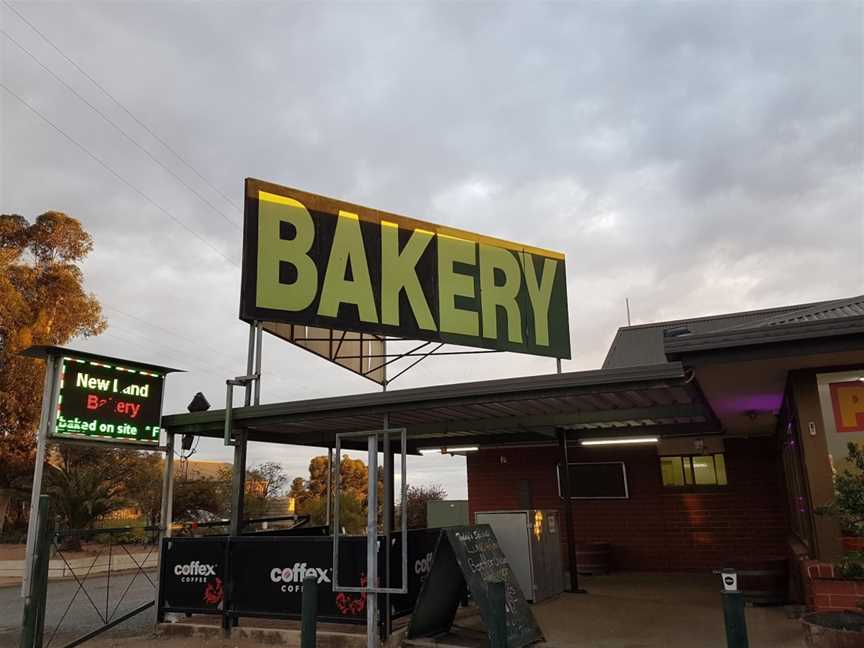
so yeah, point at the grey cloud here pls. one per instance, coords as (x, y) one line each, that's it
(695, 157)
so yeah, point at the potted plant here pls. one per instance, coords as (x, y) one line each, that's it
(841, 584)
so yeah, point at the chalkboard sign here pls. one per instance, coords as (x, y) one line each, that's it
(470, 557)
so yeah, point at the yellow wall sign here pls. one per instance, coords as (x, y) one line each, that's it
(322, 262)
(847, 399)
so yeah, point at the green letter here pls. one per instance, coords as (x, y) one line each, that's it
(270, 292)
(348, 248)
(539, 295)
(492, 296)
(451, 284)
(398, 272)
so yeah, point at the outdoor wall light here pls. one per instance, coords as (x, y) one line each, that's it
(620, 441)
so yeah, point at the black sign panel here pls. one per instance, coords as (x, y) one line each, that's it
(315, 261)
(471, 556)
(267, 576)
(109, 402)
(421, 550)
(193, 574)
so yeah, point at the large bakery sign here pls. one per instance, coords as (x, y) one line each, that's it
(319, 262)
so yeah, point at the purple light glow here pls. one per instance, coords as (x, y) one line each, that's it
(769, 402)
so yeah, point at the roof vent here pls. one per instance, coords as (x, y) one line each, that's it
(676, 331)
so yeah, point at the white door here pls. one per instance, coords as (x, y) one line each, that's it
(511, 529)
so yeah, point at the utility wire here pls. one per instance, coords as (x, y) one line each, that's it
(119, 129)
(119, 177)
(161, 328)
(118, 103)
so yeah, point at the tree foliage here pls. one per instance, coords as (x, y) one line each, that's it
(417, 500)
(42, 301)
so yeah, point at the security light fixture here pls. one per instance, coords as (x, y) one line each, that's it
(619, 441)
(199, 403)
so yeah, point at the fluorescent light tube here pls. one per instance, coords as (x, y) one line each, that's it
(619, 441)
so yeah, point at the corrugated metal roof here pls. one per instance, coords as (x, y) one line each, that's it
(643, 344)
(661, 397)
(838, 309)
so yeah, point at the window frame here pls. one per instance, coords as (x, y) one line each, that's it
(693, 486)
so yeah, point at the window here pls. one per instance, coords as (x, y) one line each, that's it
(695, 470)
(598, 480)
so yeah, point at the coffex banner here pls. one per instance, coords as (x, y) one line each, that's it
(329, 264)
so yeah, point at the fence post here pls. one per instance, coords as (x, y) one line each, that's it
(33, 623)
(309, 612)
(497, 615)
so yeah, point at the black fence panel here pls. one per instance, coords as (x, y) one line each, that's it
(262, 575)
(193, 575)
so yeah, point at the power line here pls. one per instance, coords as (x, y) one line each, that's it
(119, 177)
(119, 129)
(161, 328)
(118, 103)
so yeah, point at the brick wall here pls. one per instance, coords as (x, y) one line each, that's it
(656, 529)
(825, 591)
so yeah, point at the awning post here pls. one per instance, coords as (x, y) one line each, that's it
(238, 483)
(564, 475)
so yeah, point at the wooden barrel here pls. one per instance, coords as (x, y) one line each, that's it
(593, 557)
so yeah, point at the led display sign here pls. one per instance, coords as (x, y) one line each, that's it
(316, 261)
(109, 402)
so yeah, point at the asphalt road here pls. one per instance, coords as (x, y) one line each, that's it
(82, 616)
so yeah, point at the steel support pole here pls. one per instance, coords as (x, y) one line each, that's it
(372, 543)
(50, 390)
(558, 365)
(564, 477)
(238, 482)
(33, 621)
(329, 487)
(250, 363)
(389, 523)
(259, 330)
(166, 517)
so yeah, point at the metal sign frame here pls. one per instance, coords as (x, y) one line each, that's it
(54, 357)
(372, 512)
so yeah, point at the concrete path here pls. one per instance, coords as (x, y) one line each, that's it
(654, 611)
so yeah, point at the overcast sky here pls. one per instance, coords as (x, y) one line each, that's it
(696, 158)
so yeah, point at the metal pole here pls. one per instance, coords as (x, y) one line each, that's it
(250, 362)
(372, 544)
(166, 517)
(309, 612)
(33, 621)
(329, 486)
(498, 614)
(564, 477)
(238, 485)
(388, 522)
(258, 352)
(50, 387)
(735, 620)
(558, 365)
